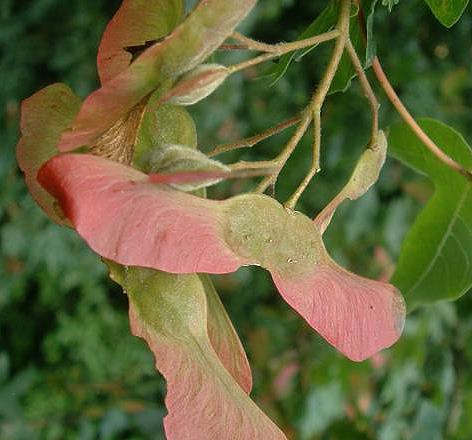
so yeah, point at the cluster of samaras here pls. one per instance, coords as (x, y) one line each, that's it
(129, 192)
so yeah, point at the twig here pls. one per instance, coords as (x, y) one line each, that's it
(282, 158)
(367, 88)
(246, 165)
(253, 140)
(406, 116)
(403, 111)
(253, 44)
(232, 47)
(252, 62)
(283, 48)
(320, 96)
(315, 162)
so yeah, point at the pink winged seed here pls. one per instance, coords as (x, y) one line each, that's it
(135, 23)
(202, 400)
(125, 218)
(44, 116)
(224, 338)
(356, 315)
(191, 42)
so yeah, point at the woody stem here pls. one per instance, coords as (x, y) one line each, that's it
(367, 89)
(319, 97)
(406, 116)
(403, 111)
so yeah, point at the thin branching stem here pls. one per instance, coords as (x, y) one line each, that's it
(282, 49)
(253, 140)
(262, 164)
(367, 89)
(255, 45)
(282, 158)
(403, 111)
(276, 164)
(233, 47)
(251, 62)
(315, 162)
(319, 97)
(406, 116)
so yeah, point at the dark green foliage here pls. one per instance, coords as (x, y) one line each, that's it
(447, 11)
(69, 368)
(436, 259)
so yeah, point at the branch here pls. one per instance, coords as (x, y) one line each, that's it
(406, 116)
(283, 48)
(251, 44)
(232, 47)
(315, 163)
(319, 98)
(367, 88)
(403, 111)
(282, 158)
(253, 140)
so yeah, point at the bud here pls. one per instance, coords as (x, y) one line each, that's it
(367, 169)
(365, 174)
(197, 84)
(179, 158)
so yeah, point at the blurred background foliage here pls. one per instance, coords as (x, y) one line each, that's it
(69, 368)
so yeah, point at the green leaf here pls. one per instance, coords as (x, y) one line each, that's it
(436, 257)
(447, 12)
(324, 405)
(323, 23)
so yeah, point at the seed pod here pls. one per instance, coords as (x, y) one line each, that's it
(197, 84)
(367, 169)
(365, 174)
(179, 158)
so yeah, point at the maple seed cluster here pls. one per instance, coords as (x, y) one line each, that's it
(122, 168)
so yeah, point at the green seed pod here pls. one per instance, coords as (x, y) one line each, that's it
(179, 158)
(367, 169)
(365, 174)
(197, 84)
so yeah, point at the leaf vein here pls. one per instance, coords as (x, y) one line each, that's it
(454, 217)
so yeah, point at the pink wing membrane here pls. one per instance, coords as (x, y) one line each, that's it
(128, 220)
(135, 23)
(188, 176)
(356, 315)
(224, 338)
(44, 116)
(205, 29)
(203, 401)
